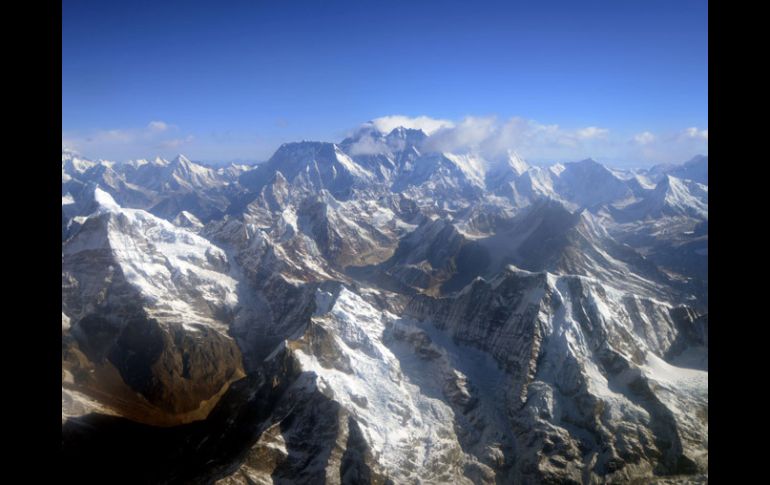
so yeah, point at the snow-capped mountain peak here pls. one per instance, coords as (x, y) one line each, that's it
(516, 163)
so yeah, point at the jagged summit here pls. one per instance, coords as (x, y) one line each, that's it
(670, 197)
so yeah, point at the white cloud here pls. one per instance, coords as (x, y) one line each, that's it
(491, 138)
(592, 132)
(693, 132)
(541, 142)
(157, 126)
(368, 145)
(644, 138)
(386, 124)
(469, 134)
(666, 147)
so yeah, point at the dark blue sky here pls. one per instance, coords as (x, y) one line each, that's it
(235, 79)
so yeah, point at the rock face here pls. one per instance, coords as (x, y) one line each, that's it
(375, 312)
(585, 374)
(313, 166)
(590, 184)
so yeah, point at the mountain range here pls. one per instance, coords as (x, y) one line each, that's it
(372, 311)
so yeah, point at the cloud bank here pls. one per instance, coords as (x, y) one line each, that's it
(538, 142)
(155, 138)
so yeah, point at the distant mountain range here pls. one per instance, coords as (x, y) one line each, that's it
(375, 312)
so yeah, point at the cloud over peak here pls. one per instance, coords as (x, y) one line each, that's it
(386, 124)
(492, 138)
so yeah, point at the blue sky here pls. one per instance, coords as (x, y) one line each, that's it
(625, 82)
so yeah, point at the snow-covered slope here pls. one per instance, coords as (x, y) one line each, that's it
(671, 197)
(177, 174)
(139, 291)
